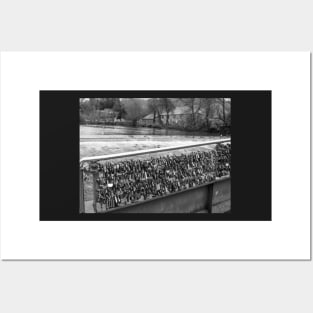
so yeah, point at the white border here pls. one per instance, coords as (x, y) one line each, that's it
(23, 236)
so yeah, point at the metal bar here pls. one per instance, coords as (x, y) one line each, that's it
(210, 197)
(140, 152)
(94, 181)
(81, 186)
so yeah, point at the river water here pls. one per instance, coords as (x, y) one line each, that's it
(104, 140)
(105, 132)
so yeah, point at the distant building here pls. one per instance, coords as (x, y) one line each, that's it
(180, 117)
(176, 117)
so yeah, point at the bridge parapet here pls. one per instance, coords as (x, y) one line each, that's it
(192, 182)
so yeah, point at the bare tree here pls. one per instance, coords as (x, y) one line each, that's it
(119, 108)
(206, 104)
(195, 105)
(224, 114)
(155, 105)
(167, 106)
(89, 109)
(224, 110)
(135, 109)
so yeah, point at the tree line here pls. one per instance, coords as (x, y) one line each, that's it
(206, 107)
(134, 109)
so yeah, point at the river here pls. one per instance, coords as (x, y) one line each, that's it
(104, 140)
(107, 131)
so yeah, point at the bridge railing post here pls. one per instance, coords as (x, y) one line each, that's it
(95, 176)
(81, 193)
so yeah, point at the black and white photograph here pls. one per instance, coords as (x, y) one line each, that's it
(155, 155)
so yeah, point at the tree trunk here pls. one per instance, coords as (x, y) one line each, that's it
(207, 113)
(193, 115)
(207, 122)
(224, 113)
(160, 119)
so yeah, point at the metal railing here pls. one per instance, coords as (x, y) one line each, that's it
(156, 150)
(135, 153)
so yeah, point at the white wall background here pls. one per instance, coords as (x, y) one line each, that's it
(151, 286)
